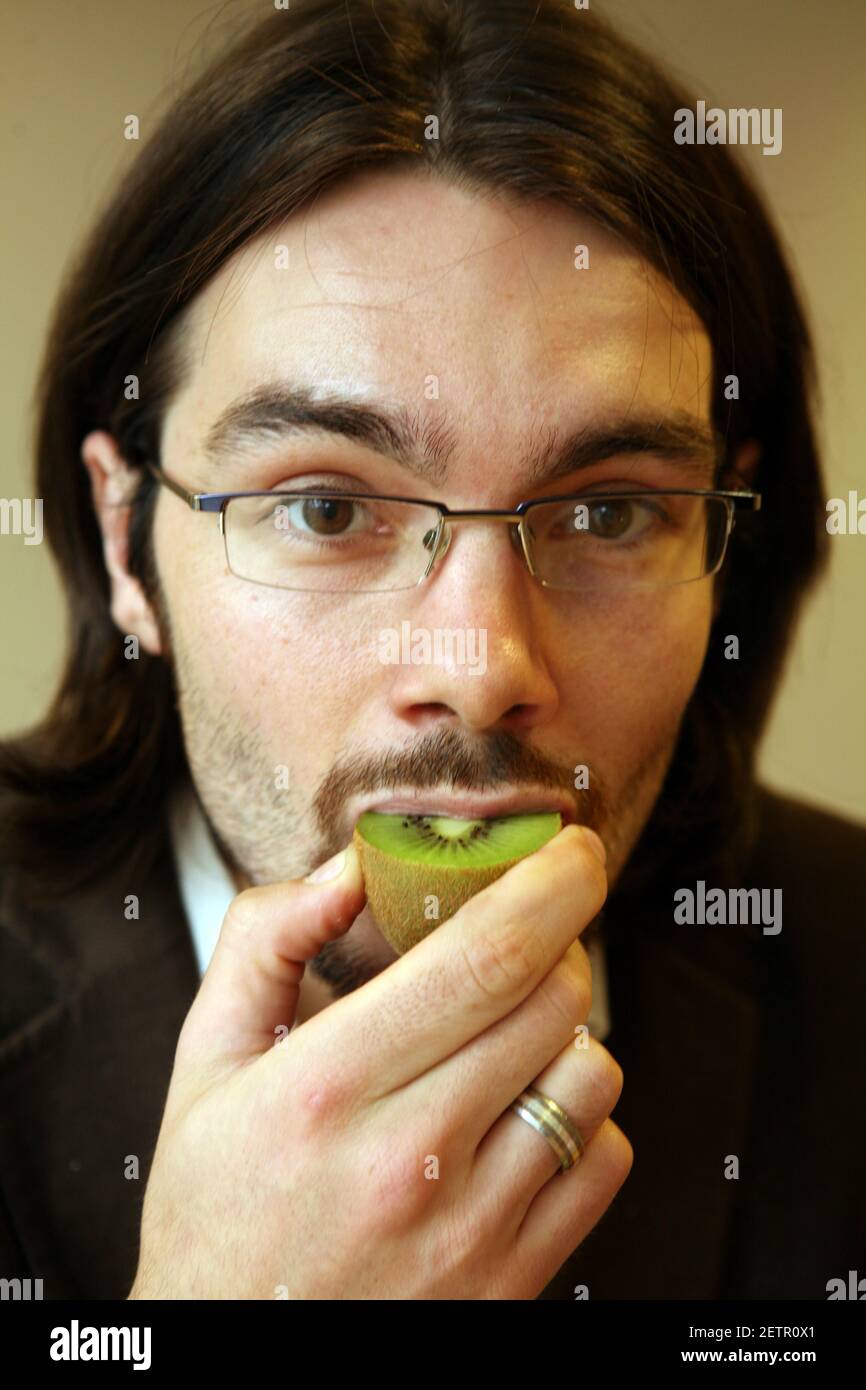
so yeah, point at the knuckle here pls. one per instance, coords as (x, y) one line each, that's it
(577, 959)
(570, 995)
(625, 1154)
(501, 963)
(574, 973)
(621, 1153)
(320, 1101)
(396, 1174)
(241, 916)
(607, 1075)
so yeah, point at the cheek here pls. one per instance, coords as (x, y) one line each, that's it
(637, 667)
(288, 656)
(189, 553)
(277, 659)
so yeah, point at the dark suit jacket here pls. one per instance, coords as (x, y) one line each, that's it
(731, 1043)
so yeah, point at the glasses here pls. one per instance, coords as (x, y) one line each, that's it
(325, 541)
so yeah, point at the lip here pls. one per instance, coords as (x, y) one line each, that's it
(471, 806)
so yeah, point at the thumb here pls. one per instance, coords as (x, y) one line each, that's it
(248, 998)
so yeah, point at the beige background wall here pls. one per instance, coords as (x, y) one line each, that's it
(73, 71)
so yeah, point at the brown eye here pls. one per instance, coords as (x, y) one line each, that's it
(326, 516)
(610, 519)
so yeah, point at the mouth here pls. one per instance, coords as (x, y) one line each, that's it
(471, 806)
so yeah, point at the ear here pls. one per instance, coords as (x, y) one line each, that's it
(112, 483)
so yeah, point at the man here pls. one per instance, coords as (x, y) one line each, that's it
(427, 255)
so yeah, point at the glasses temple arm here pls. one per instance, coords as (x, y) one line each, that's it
(191, 498)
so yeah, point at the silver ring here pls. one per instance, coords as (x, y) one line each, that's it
(551, 1121)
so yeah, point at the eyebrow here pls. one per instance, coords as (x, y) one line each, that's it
(273, 414)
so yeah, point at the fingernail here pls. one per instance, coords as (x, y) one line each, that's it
(595, 843)
(332, 868)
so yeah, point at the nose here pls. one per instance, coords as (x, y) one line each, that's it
(441, 550)
(477, 632)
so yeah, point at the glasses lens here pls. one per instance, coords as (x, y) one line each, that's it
(627, 541)
(329, 542)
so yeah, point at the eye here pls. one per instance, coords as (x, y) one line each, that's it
(325, 516)
(321, 517)
(611, 519)
(607, 519)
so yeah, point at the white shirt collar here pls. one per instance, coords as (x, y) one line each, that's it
(207, 888)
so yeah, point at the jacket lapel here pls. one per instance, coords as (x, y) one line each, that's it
(83, 1079)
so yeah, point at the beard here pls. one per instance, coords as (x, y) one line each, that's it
(268, 830)
(495, 762)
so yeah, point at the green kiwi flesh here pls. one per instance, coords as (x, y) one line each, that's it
(419, 870)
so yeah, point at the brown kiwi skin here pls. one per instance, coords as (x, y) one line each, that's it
(397, 891)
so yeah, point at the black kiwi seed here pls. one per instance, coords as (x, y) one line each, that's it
(422, 825)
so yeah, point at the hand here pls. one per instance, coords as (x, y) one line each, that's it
(307, 1169)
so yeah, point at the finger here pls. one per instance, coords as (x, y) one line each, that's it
(514, 1161)
(250, 990)
(568, 1207)
(474, 969)
(477, 1083)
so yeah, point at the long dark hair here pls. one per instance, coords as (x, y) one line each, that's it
(533, 97)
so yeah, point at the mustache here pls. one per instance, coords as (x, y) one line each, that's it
(451, 757)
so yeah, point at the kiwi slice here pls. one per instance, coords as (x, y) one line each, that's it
(419, 870)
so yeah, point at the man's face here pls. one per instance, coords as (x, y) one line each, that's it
(391, 289)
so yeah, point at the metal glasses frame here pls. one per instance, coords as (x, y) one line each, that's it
(218, 501)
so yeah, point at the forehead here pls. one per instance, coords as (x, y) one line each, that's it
(460, 304)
